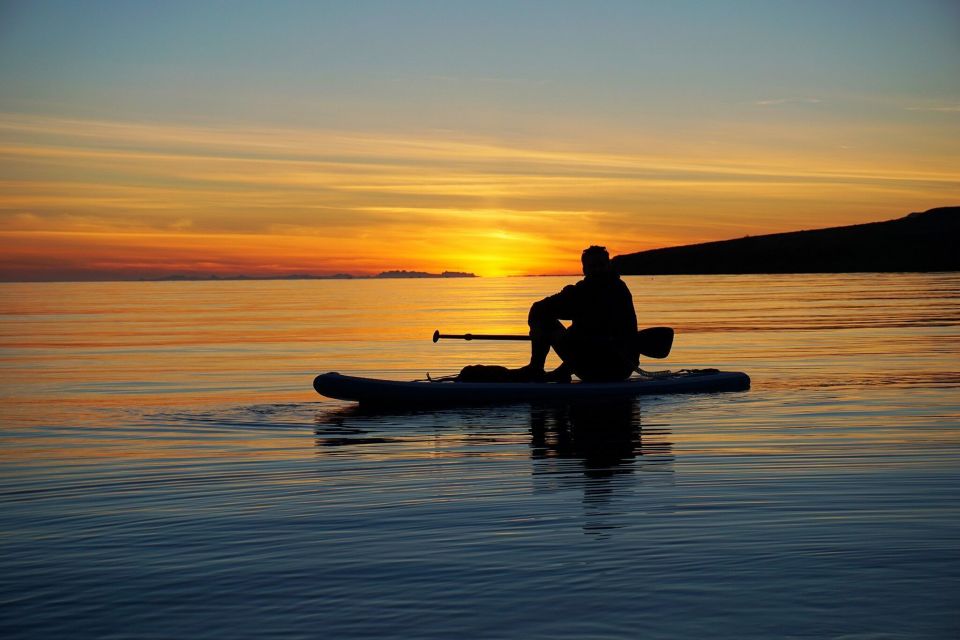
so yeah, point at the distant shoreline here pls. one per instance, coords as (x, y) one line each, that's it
(552, 275)
(212, 277)
(383, 275)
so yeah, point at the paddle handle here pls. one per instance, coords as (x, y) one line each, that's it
(477, 336)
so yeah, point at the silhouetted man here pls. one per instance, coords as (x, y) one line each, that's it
(600, 345)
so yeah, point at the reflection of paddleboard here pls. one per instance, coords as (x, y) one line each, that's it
(371, 391)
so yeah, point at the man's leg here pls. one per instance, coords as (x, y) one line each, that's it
(543, 335)
(566, 346)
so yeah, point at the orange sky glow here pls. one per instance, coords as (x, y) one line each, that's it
(93, 199)
(337, 139)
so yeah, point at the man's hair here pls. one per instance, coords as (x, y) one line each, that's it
(595, 253)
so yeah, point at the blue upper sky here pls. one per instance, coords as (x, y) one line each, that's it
(486, 65)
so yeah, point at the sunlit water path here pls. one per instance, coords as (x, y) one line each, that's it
(166, 469)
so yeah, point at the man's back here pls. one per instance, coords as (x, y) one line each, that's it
(599, 305)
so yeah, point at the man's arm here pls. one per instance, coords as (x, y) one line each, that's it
(559, 306)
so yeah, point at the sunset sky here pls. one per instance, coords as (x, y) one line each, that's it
(147, 138)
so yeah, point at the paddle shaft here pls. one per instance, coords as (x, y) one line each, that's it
(477, 336)
(654, 342)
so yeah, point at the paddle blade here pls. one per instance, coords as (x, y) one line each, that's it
(655, 342)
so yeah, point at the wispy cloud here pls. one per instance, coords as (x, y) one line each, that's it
(324, 200)
(780, 101)
(489, 80)
(948, 108)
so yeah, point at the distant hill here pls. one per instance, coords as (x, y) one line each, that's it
(926, 241)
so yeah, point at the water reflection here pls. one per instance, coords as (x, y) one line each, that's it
(352, 427)
(598, 452)
(605, 436)
(607, 446)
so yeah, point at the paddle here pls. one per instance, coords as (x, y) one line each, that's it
(654, 342)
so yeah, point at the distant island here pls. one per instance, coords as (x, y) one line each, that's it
(421, 274)
(307, 276)
(923, 241)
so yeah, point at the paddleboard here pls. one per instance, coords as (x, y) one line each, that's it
(377, 392)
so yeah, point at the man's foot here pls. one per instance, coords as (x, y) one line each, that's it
(561, 374)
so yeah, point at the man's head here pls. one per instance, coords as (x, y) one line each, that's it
(595, 260)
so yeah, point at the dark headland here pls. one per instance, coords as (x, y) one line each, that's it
(923, 241)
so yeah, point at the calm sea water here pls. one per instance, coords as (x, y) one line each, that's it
(167, 471)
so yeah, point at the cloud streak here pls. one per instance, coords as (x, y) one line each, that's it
(781, 101)
(950, 108)
(327, 201)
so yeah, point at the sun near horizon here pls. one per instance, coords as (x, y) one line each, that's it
(143, 141)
